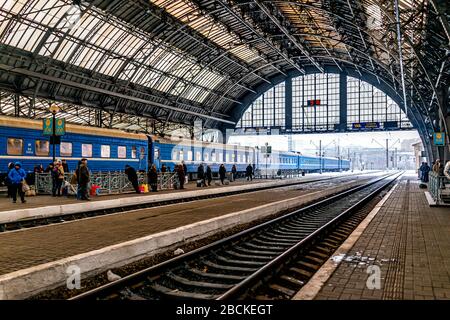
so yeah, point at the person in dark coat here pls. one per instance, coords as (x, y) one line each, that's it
(163, 168)
(425, 172)
(65, 165)
(249, 172)
(49, 168)
(8, 182)
(132, 177)
(181, 175)
(83, 179)
(201, 174)
(234, 172)
(208, 175)
(57, 178)
(153, 179)
(222, 173)
(185, 170)
(17, 176)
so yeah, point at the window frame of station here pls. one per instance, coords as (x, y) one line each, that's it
(312, 87)
(371, 105)
(365, 103)
(272, 102)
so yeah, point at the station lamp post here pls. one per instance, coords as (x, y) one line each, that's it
(54, 109)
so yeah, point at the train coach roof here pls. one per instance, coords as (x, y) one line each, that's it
(188, 142)
(71, 128)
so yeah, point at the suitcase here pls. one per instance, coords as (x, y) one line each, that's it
(199, 183)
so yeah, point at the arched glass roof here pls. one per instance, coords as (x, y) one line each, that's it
(184, 60)
(316, 106)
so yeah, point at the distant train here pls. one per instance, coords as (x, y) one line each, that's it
(110, 150)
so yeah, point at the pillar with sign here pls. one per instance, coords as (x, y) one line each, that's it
(55, 128)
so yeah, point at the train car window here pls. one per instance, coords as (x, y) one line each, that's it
(121, 152)
(181, 155)
(105, 151)
(198, 156)
(65, 149)
(156, 154)
(189, 155)
(14, 147)
(42, 147)
(86, 150)
(133, 152)
(142, 153)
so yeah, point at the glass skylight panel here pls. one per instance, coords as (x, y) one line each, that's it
(165, 83)
(12, 6)
(188, 13)
(24, 36)
(111, 66)
(47, 12)
(374, 17)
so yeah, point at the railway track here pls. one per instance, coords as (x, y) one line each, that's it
(242, 264)
(36, 222)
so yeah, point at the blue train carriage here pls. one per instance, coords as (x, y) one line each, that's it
(285, 161)
(106, 149)
(172, 150)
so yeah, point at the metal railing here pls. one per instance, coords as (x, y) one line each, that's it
(437, 188)
(109, 182)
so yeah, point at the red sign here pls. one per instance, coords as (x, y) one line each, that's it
(313, 102)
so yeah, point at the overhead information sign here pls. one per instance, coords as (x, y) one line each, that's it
(439, 138)
(365, 125)
(313, 102)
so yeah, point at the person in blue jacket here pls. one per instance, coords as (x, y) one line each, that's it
(17, 177)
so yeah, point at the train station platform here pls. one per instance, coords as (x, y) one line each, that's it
(401, 251)
(46, 206)
(36, 258)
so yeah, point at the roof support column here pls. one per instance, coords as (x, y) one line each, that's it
(342, 101)
(288, 104)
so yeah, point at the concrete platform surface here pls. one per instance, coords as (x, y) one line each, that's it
(45, 207)
(37, 259)
(403, 254)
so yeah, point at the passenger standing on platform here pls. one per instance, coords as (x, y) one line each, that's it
(208, 175)
(425, 172)
(222, 173)
(49, 168)
(233, 172)
(185, 171)
(437, 166)
(421, 170)
(447, 170)
(58, 178)
(17, 177)
(181, 176)
(153, 178)
(8, 182)
(132, 176)
(201, 174)
(83, 179)
(163, 168)
(65, 166)
(249, 172)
